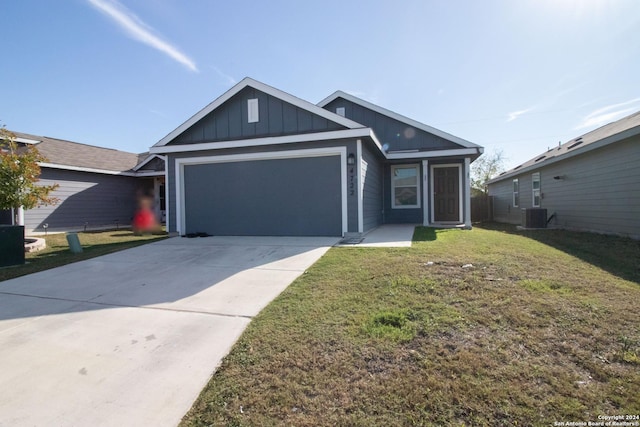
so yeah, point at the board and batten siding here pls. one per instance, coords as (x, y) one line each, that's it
(97, 200)
(372, 189)
(597, 191)
(230, 121)
(398, 135)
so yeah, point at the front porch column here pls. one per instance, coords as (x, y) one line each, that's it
(426, 205)
(467, 193)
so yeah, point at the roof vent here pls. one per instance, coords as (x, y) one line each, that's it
(540, 158)
(517, 167)
(575, 144)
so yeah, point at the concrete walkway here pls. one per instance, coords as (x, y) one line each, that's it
(131, 338)
(388, 236)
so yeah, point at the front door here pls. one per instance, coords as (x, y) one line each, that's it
(446, 194)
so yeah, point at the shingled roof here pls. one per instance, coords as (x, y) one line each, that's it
(609, 133)
(68, 153)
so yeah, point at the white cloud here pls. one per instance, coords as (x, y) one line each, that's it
(515, 114)
(227, 77)
(607, 114)
(140, 31)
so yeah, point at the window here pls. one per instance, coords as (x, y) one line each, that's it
(405, 186)
(516, 193)
(253, 112)
(340, 111)
(535, 189)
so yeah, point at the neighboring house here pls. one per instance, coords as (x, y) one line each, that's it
(590, 183)
(258, 161)
(98, 187)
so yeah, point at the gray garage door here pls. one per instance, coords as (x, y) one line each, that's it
(280, 197)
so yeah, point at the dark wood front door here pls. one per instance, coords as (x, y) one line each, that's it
(446, 194)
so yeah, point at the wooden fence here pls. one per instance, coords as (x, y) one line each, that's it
(481, 208)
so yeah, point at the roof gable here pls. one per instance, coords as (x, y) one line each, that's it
(600, 137)
(280, 114)
(399, 132)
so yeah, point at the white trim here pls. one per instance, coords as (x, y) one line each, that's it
(263, 88)
(180, 163)
(425, 193)
(433, 215)
(396, 116)
(149, 173)
(27, 140)
(533, 190)
(467, 192)
(167, 205)
(513, 193)
(83, 169)
(434, 153)
(179, 171)
(101, 171)
(393, 187)
(359, 161)
(256, 142)
(253, 110)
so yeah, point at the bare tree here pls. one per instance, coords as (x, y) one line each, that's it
(486, 167)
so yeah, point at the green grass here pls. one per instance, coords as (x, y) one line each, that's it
(540, 329)
(57, 252)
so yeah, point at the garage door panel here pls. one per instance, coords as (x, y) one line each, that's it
(292, 197)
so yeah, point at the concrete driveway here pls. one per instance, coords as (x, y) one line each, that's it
(131, 338)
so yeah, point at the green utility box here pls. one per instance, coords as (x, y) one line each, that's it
(11, 245)
(74, 243)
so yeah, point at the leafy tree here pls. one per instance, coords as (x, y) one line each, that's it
(486, 167)
(19, 173)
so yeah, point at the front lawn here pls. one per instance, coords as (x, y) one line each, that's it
(57, 253)
(538, 329)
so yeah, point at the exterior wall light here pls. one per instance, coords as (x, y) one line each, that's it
(351, 159)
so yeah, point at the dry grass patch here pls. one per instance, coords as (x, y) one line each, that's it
(529, 335)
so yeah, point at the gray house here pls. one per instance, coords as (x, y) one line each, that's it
(259, 161)
(98, 187)
(590, 183)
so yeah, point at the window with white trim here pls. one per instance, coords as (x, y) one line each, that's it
(340, 111)
(516, 193)
(535, 189)
(405, 186)
(253, 110)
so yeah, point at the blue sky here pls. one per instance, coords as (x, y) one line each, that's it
(513, 75)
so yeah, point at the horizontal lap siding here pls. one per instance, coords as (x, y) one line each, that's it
(372, 190)
(96, 199)
(599, 190)
(502, 194)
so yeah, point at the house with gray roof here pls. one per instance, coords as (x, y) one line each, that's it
(97, 187)
(259, 161)
(589, 183)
